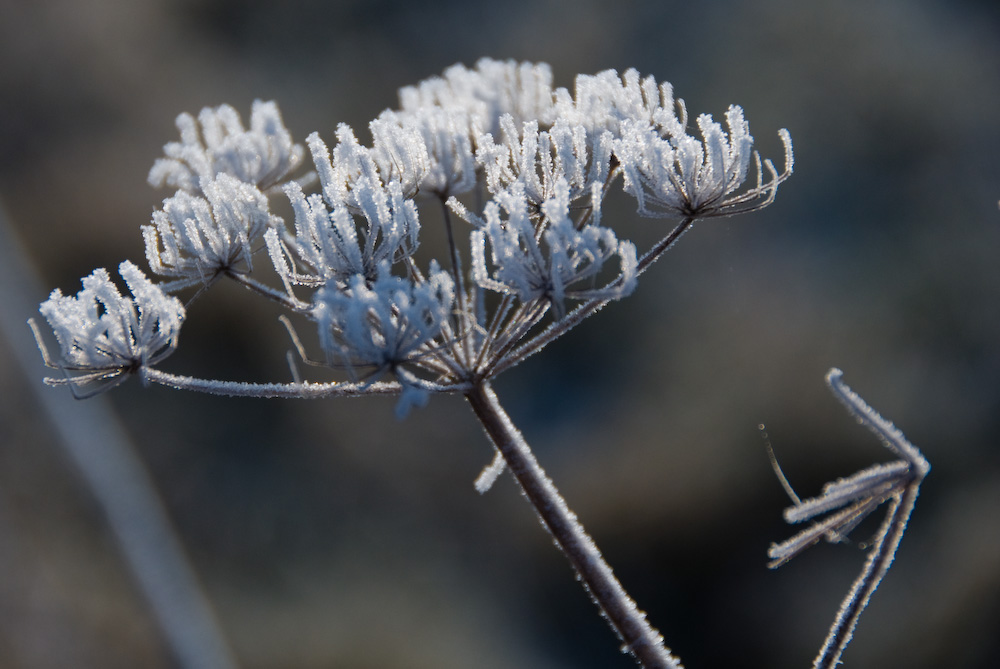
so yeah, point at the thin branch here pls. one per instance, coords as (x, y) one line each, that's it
(876, 566)
(305, 390)
(897, 482)
(458, 275)
(638, 636)
(284, 300)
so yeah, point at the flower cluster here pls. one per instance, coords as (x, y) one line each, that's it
(539, 160)
(104, 336)
(217, 143)
(328, 244)
(570, 255)
(524, 165)
(671, 173)
(197, 238)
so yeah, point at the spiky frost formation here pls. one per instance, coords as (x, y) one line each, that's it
(399, 151)
(604, 101)
(197, 238)
(384, 324)
(492, 89)
(217, 143)
(329, 243)
(105, 336)
(551, 257)
(444, 136)
(539, 159)
(672, 174)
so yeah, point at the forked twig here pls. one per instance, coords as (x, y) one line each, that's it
(896, 482)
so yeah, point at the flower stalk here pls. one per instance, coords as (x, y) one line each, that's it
(638, 637)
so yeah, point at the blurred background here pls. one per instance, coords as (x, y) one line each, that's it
(329, 534)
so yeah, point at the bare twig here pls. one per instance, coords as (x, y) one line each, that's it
(897, 483)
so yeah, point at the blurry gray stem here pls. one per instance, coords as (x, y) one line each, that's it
(105, 458)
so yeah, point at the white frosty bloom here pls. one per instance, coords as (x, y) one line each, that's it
(540, 159)
(217, 143)
(399, 150)
(492, 89)
(195, 239)
(672, 174)
(385, 323)
(554, 270)
(329, 243)
(604, 101)
(444, 137)
(103, 335)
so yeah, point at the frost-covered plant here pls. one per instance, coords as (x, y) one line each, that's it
(860, 495)
(533, 258)
(217, 143)
(196, 239)
(573, 253)
(105, 337)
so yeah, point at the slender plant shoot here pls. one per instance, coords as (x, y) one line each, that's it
(856, 497)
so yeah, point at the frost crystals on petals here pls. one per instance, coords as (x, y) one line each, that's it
(104, 336)
(554, 270)
(195, 239)
(217, 143)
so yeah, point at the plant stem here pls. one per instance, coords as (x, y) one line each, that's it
(304, 390)
(864, 587)
(638, 636)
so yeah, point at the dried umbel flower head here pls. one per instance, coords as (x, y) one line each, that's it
(673, 174)
(104, 336)
(195, 238)
(550, 259)
(356, 223)
(217, 143)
